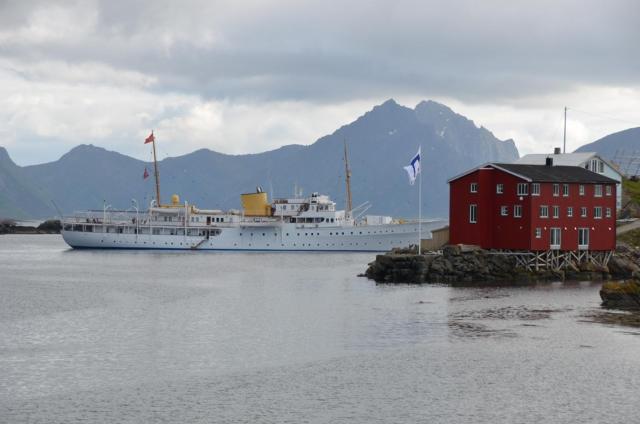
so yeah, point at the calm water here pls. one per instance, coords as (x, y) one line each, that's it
(101, 336)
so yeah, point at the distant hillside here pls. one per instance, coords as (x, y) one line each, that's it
(627, 140)
(380, 142)
(19, 196)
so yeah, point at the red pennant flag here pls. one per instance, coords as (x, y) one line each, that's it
(146, 174)
(150, 139)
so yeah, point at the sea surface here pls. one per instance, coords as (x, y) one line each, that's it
(206, 337)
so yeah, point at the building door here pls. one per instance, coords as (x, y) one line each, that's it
(555, 239)
(583, 239)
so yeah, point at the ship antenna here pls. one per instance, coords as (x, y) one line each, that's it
(155, 167)
(349, 205)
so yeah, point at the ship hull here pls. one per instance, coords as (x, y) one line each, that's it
(376, 238)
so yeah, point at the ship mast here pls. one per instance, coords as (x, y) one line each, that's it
(152, 139)
(349, 205)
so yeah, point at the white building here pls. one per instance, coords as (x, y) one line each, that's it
(588, 160)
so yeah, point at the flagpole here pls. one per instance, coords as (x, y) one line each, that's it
(420, 205)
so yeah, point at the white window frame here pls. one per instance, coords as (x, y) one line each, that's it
(499, 188)
(473, 188)
(565, 190)
(522, 189)
(597, 190)
(556, 211)
(538, 233)
(597, 212)
(473, 214)
(544, 211)
(504, 210)
(583, 233)
(608, 190)
(570, 212)
(583, 212)
(556, 190)
(607, 212)
(581, 189)
(535, 189)
(517, 211)
(552, 238)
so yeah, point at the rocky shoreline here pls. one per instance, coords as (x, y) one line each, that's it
(48, 227)
(464, 265)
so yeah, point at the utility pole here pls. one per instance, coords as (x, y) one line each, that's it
(564, 143)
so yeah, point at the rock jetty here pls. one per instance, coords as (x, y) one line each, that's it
(621, 294)
(461, 265)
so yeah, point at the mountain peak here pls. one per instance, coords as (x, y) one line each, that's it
(430, 106)
(4, 157)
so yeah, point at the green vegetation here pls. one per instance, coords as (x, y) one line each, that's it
(632, 238)
(630, 198)
(631, 190)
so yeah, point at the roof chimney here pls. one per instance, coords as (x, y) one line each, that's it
(549, 161)
(556, 151)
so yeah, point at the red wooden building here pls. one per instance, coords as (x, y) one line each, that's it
(533, 207)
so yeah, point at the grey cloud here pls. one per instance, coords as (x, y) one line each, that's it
(321, 52)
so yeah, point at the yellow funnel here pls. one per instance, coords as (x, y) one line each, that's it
(255, 204)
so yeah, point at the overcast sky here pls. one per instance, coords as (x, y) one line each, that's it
(249, 76)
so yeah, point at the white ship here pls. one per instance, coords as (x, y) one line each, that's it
(295, 224)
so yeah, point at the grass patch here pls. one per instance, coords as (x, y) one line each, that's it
(631, 238)
(631, 189)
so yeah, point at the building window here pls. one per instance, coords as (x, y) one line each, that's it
(523, 189)
(473, 214)
(596, 166)
(597, 212)
(581, 189)
(535, 189)
(608, 212)
(538, 233)
(473, 187)
(583, 212)
(570, 212)
(517, 211)
(565, 190)
(504, 210)
(597, 190)
(556, 189)
(583, 238)
(499, 188)
(555, 238)
(608, 190)
(556, 211)
(544, 211)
